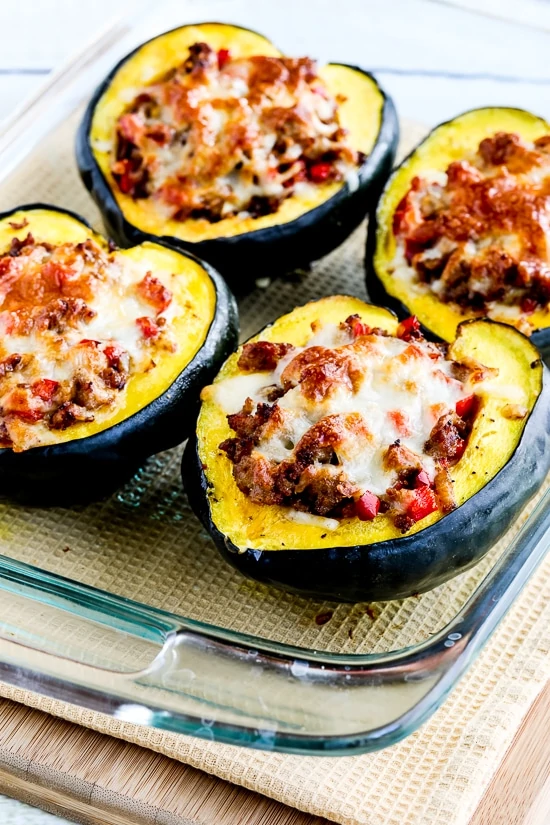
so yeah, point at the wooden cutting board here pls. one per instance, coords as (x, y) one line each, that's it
(96, 780)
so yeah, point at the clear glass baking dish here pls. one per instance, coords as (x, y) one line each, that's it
(317, 678)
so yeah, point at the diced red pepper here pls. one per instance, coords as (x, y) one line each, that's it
(465, 406)
(45, 389)
(408, 328)
(113, 353)
(422, 480)
(358, 328)
(153, 291)
(126, 184)
(28, 415)
(224, 57)
(320, 172)
(148, 327)
(124, 176)
(528, 305)
(403, 217)
(367, 506)
(88, 342)
(399, 222)
(423, 503)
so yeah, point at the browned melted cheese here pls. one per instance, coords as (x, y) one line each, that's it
(355, 422)
(76, 322)
(480, 234)
(219, 136)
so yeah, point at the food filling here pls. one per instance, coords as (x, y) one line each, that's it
(478, 235)
(219, 136)
(76, 322)
(356, 423)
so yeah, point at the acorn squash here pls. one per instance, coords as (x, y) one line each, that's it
(448, 142)
(504, 463)
(152, 408)
(304, 227)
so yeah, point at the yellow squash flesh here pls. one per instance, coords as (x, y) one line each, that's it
(449, 142)
(491, 444)
(193, 293)
(360, 114)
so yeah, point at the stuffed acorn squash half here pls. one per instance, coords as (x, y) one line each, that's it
(102, 353)
(342, 455)
(461, 227)
(209, 137)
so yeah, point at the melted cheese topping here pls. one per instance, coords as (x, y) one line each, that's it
(402, 390)
(219, 137)
(76, 324)
(478, 235)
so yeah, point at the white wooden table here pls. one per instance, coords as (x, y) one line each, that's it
(435, 57)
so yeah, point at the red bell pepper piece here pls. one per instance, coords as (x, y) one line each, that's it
(154, 292)
(113, 354)
(358, 328)
(367, 506)
(29, 415)
(224, 57)
(148, 327)
(423, 503)
(125, 182)
(464, 406)
(399, 224)
(408, 328)
(320, 172)
(44, 389)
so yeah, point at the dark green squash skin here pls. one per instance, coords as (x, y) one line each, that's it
(401, 567)
(265, 252)
(91, 468)
(377, 291)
